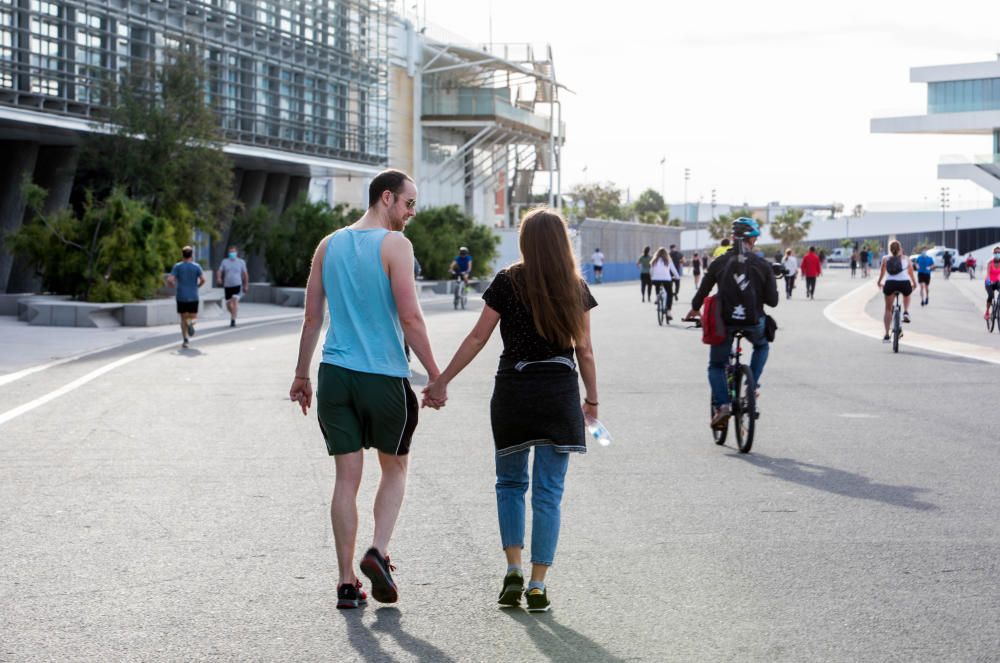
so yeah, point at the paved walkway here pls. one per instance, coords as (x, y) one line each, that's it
(175, 507)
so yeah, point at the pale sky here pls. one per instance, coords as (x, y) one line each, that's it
(763, 101)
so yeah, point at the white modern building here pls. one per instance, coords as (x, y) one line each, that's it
(961, 99)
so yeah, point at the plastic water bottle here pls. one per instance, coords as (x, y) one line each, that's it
(598, 432)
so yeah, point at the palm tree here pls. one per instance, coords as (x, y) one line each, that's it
(789, 228)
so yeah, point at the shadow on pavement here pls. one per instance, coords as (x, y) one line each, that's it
(387, 620)
(558, 642)
(365, 644)
(839, 482)
(189, 352)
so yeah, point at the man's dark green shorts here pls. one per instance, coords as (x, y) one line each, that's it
(364, 410)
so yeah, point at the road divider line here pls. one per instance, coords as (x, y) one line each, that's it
(118, 363)
(849, 313)
(25, 372)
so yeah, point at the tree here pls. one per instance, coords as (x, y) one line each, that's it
(164, 147)
(720, 227)
(436, 234)
(600, 201)
(650, 201)
(789, 228)
(291, 242)
(114, 250)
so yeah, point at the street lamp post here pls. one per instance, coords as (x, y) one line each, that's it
(687, 176)
(713, 211)
(957, 217)
(944, 208)
(663, 179)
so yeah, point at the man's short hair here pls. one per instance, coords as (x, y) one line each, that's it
(724, 242)
(673, 246)
(187, 252)
(388, 180)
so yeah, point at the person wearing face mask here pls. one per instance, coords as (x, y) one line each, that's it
(992, 280)
(233, 276)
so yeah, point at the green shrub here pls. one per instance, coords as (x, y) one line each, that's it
(115, 250)
(436, 234)
(291, 242)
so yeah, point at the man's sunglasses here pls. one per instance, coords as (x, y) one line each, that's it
(410, 204)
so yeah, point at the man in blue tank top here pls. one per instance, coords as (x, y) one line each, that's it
(364, 275)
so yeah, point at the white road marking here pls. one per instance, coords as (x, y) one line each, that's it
(96, 373)
(849, 312)
(23, 373)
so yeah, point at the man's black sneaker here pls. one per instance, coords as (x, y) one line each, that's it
(190, 329)
(513, 587)
(378, 569)
(538, 600)
(184, 344)
(886, 339)
(906, 317)
(232, 323)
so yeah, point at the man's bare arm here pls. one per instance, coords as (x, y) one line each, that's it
(397, 258)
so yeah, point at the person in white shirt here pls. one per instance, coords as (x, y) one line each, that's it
(663, 272)
(233, 276)
(791, 265)
(597, 260)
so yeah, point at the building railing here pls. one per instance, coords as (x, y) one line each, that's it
(481, 102)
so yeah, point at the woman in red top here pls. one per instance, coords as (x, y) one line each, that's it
(811, 268)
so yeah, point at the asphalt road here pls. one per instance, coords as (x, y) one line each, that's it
(176, 508)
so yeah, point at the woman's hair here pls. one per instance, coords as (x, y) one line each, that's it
(895, 247)
(546, 279)
(645, 251)
(788, 252)
(661, 254)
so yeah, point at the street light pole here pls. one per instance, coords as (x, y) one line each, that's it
(687, 176)
(944, 209)
(713, 209)
(957, 217)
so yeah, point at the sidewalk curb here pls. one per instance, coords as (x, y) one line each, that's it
(848, 312)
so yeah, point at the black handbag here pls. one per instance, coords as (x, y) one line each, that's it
(770, 327)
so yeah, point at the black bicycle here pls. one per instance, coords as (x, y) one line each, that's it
(662, 312)
(743, 398)
(897, 323)
(993, 322)
(461, 292)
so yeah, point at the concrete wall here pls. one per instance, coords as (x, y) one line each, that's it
(621, 243)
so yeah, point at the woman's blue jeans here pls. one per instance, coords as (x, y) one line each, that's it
(548, 475)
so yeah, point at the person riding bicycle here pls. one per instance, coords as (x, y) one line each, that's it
(462, 265)
(662, 272)
(897, 272)
(746, 284)
(992, 279)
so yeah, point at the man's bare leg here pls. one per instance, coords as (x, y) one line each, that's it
(344, 512)
(389, 498)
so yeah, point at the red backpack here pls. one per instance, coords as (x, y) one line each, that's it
(713, 329)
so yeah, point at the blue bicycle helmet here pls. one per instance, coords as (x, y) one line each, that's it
(745, 227)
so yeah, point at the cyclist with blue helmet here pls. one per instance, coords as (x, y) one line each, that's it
(746, 284)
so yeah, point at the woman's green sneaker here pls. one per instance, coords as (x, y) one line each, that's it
(538, 600)
(513, 587)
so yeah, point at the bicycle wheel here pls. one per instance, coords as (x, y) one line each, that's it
(465, 297)
(458, 296)
(897, 329)
(718, 434)
(661, 314)
(745, 409)
(995, 316)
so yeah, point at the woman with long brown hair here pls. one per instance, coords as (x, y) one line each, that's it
(543, 307)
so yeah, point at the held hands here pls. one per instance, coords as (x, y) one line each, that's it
(435, 394)
(589, 411)
(301, 393)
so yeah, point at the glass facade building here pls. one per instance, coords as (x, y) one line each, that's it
(963, 96)
(305, 76)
